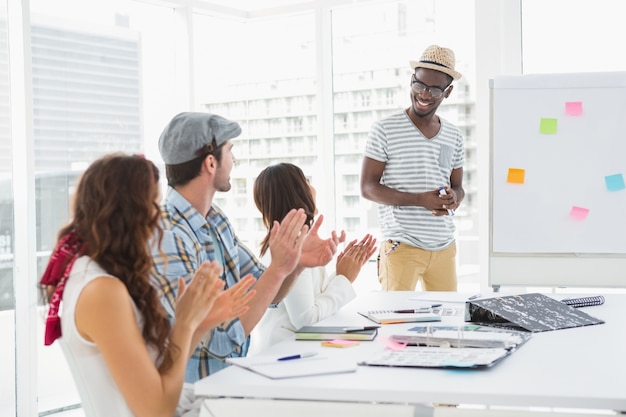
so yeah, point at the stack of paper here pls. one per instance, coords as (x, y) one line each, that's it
(337, 332)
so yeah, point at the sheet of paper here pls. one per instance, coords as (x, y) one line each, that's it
(270, 367)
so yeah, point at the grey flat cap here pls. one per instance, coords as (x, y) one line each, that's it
(187, 133)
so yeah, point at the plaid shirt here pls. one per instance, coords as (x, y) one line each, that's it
(188, 240)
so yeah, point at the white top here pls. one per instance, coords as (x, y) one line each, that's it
(99, 394)
(313, 297)
(415, 164)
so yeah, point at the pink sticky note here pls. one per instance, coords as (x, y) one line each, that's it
(579, 213)
(574, 108)
(391, 344)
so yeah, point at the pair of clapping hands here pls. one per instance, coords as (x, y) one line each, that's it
(310, 250)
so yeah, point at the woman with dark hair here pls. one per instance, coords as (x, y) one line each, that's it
(315, 295)
(125, 356)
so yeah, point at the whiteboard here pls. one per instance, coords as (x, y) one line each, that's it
(557, 173)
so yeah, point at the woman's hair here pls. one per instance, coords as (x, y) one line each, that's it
(278, 189)
(115, 215)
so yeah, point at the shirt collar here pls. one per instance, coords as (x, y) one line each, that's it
(177, 201)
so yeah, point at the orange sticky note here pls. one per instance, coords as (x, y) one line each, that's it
(516, 175)
(340, 343)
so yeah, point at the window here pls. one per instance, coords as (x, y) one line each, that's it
(274, 85)
(371, 67)
(548, 33)
(100, 77)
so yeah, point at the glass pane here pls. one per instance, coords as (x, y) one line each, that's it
(102, 76)
(265, 80)
(6, 193)
(7, 301)
(371, 80)
(588, 37)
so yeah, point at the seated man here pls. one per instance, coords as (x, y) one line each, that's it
(197, 151)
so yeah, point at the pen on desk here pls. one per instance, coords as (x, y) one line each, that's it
(298, 356)
(417, 310)
(475, 296)
(359, 329)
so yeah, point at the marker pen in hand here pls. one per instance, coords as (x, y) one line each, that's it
(442, 191)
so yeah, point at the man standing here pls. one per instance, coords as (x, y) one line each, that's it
(413, 168)
(197, 151)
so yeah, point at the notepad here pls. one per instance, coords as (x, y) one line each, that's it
(390, 316)
(270, 367)
(436, 357)
(334, 332)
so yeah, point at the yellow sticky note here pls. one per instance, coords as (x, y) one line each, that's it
(340, 343)
(548, 126)
(516, 175)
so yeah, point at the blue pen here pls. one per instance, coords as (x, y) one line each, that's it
(298, 356)
(442, 191)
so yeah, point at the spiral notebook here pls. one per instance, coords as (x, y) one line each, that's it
(468, 336)
(399, 316)
(595, 300)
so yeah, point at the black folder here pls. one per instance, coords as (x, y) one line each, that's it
(530, 312)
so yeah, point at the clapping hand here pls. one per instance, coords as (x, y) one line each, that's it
(287, 239)
(354, 256)
(317, 251)
(229, 304)
(195, 300)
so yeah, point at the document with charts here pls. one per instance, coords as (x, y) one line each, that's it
(438, 357)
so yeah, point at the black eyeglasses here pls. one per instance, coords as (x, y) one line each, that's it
(419, 88)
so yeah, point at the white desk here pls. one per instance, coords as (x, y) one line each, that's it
(581, 368)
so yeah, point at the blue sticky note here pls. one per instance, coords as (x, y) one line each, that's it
(459, 364)
(615, 182)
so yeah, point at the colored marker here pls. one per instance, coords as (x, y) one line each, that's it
(442, 191)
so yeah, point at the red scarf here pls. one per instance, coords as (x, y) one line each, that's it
(58, 270)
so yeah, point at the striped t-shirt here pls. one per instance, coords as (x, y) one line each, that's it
(415, 164)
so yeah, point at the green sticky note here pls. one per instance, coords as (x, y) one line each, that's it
(547, 126)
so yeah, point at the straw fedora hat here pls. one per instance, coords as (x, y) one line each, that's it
(439, 59)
